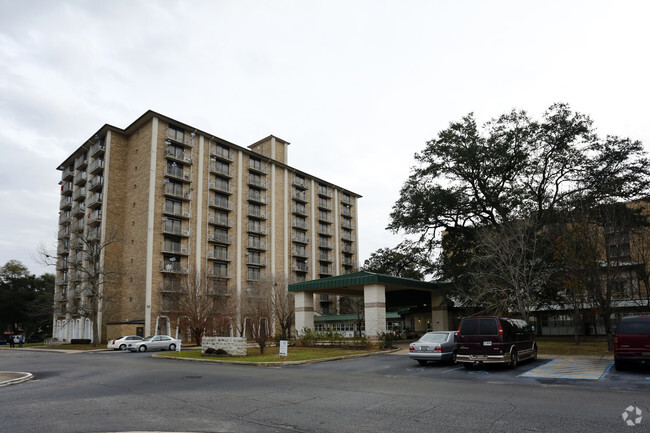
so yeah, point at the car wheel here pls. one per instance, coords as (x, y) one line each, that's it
(534, 355)
(142, 348)
(619, 365)
(514, 359)
(453, 357)
(122, 346)
(172, 347)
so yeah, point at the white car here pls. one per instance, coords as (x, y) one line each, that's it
(155, 342)
(122, 342)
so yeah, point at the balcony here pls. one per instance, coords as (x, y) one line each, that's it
(299, 196)
(220, 272)
(64, 218)
(258, 183)
(256, 213)
(347, 236)
(221, 153)
(254, 260)
(256, 244)
(62, 249)
(346, 199)
(300, 238)
(299, 182)
(177, 212)
(322, 243)
(67, 173)
(78, 209)
(324, 270)
(173, 248)
(95, 217)
(349, 261)
(64, 233)
(348, 249)
(220, 169)
(325, 231)
(173, 267)
(219, 220)
(80, 178)
(79, 194)
(95, 200)
(220, 204)
(346, 211)
(96, 183)
(325, 204)
(96, 166)
(347, 224)
(258, 166)
(97, 148)
(221, 187)
(66, 188)
(218, 255)
(300, 252)
(81, 162)
(300, 267)
(301, 224)
(172, 287)
(178, 155)
(256, 197)
(325, 217)
(61, 281)
(299, 210)
(174, 229)
(256, 228)
(178, 136)
(177, 172)
(324, 257)
(255, 275)
(221, 238)
(325, 192)
(176, 191)
(66, 203)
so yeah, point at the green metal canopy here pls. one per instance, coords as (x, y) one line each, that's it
(352, 284)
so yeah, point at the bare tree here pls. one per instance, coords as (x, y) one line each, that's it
(89, 274)
(283, 305)
(511, 268)
(200, 301)
(353, 305)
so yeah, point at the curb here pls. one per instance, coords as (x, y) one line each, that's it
(23, 378)
(275, 363)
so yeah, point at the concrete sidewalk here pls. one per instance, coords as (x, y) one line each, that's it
(12, 378)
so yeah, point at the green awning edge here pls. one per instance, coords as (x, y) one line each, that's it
(361, 278)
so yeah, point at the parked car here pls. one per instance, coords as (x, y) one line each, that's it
(632, 341)
(491, 339)
(434, 346)
(2, 341)
(154, 342)
(34, 339)
(122, 342)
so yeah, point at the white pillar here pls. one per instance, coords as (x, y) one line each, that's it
(304, 306)
(374, 299)
(439, 313)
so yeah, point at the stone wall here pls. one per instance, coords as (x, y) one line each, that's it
(235, 346)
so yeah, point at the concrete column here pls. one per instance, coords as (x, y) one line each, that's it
(439, 313)
(374, 299)
(304, 303)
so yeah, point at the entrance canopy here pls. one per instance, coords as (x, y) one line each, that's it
(377, 290)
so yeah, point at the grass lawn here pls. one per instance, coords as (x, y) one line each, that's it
(271, 354)
(567, 346)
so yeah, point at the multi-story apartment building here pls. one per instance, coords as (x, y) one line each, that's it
(165, 199)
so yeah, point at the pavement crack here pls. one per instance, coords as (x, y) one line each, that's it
(513, 408)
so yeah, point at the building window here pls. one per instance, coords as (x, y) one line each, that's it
(253, 273)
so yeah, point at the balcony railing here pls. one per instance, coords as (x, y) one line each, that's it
(177, 172)
(256, 261)
(299, 210)
(301, 224)
(298, 181)
(300, 267)
(220, 186)
(95, 200)
(219, 238)
(325, 270)
(346, 211)
(255, 243)
(258, 166)
(219, 220)
(173, 248)
(96, 166)
(68, 172)
(173, 267)
(348, 249)
(97, 148)
(322, 243)
(256, 228)
(220, 203)
(178, 155)
(96, 182)
(66, 202)
(349, 262)
(257, 213)
(257, 197)
(175, 211)
(300, 238)
(325, 218)
(346, 199)
(325, 204)
(326, 192)
(324, 257)
(221, 169)
(259, 183)
(80, 178)
(325, 231)
(347, 224)
(221, 153)
(300, 252)
(179, 136)
(299, 195)
(175, 190)
(218, 255)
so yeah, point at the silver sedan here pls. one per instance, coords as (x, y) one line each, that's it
(434, 346)
(155, 342)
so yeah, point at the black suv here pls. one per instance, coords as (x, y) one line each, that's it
(632, 341)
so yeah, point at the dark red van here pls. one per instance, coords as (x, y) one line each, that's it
(491, 339)
(632, 341)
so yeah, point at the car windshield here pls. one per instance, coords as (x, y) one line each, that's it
(434, 338)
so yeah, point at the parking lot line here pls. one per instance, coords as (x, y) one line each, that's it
(571, 368)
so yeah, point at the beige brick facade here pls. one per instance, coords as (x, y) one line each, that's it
(168, 198)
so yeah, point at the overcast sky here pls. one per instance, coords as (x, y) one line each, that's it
(356, 87)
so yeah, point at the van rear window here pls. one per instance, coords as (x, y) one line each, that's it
(489, 327)
(469, 327)
(634, 326)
